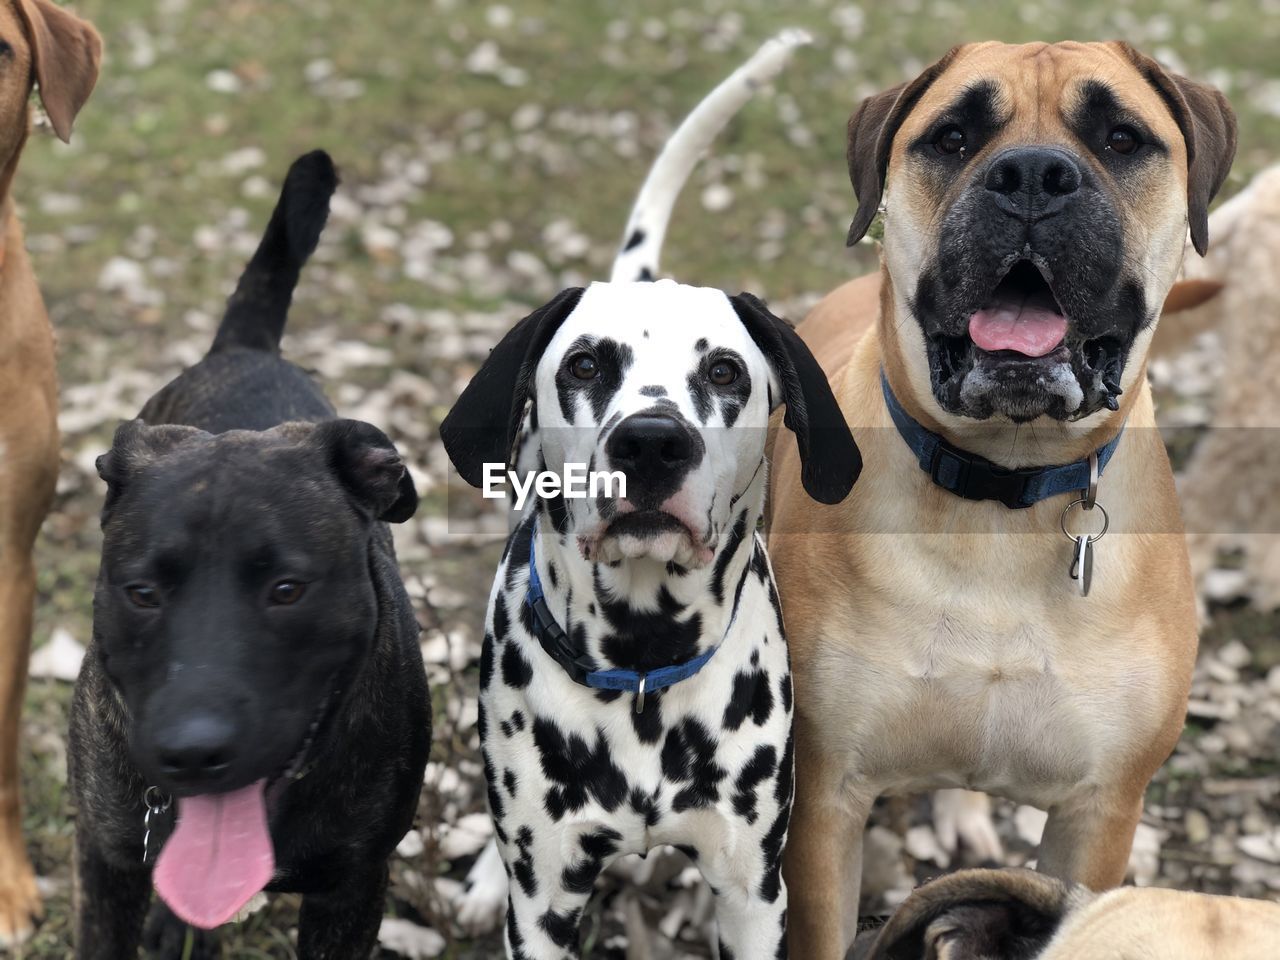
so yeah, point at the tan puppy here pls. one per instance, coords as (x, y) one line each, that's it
(42, 44)
(1036, 201)
(1008, 914)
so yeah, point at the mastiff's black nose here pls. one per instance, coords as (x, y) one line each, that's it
(196, 748)
(655, 453)
(1033, 182)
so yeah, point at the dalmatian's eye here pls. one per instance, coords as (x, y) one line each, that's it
(722, 373)
(143, 595)
(584, 366)
(950, 140)
(1123, 140)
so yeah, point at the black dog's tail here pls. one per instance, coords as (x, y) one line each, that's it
(257, 311)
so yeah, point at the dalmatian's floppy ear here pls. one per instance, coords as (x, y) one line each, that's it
(483, 425)
(829, 458)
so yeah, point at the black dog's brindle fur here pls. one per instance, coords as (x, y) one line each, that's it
(334, 828)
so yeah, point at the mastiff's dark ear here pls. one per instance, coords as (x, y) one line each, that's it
(483, 425)
(871, 131)
(370, 467)
(134, 447)
(829, 459)
(1208, 126)
(991, 914)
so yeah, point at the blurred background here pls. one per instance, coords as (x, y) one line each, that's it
(490, 153)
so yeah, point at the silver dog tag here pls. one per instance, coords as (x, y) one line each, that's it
(1082, 564)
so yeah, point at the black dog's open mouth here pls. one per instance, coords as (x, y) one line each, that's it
(1020, 356)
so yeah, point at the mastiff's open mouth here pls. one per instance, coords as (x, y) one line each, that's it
(1021, 357)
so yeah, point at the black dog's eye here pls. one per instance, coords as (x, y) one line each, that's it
(950, 140)
(722, 373)
(141, 595)
(583, 366)
(1123, 140)
(287, 592)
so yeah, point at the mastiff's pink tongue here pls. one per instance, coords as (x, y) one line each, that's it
(1032, 331)
(218, 857)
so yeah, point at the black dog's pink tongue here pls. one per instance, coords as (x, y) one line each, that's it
(218, 857)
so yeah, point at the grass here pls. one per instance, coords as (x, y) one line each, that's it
(610, 80)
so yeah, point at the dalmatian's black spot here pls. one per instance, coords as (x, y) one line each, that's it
(751, 697)
(608, 696)
(771, 845)
(516, 671)
(689, 756)
(517, 559)
(688, 851)
(653, 390)
(562, 928)
(781, 953)
(644, 640)
(510, 782)
(646, 805)
(496, 806)
(737, 534)
(486, 661)
(523, 865)
(553, 576)
(784, 691)
(514, 938)
(755, 657)
(725, 952)
(760, 563)
(526, 619)
(648, 722)
(591, 608)
(612, 358)
(701, 345)
(501, 618)
(700, 392)
(761, 766)
(578, 770)
(482, 720)
(580, 876)
(645, 274)
(676, 570)
(633, 241)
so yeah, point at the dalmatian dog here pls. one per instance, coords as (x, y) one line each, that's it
(635, 685)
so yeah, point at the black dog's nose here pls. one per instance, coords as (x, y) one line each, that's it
(1033, 181)
(197, 747)
(654, 452)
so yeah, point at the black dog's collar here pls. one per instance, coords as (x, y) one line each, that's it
(973, 477)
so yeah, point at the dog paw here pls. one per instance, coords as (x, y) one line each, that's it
(482, 904)
(964, 817)
(20, 905)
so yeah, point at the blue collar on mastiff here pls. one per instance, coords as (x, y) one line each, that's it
(579, 665)
(975, 478)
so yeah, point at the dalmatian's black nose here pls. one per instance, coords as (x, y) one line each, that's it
(655, 452)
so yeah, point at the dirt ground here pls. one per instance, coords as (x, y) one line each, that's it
(490, 153)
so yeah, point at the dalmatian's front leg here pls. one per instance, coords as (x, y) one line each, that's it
(553, 871)
(751, 920)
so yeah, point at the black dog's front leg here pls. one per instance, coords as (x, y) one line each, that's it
(111, 905)
(343, 924)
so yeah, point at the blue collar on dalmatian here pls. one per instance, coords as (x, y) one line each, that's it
(581, 668)
(975, 478)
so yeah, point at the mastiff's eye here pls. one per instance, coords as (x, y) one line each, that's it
(722, 373)
(142, 595)
(950, 140)
(287, 592)
(583, 366)
(1123, 140)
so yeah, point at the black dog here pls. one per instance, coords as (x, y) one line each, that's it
(255, 686)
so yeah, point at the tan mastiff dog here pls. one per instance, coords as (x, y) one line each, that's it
(39, 44)
(1036, 201)
(1021, 915)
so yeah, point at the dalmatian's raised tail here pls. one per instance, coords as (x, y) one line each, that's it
(642, 242)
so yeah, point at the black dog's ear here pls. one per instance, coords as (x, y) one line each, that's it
(1208, 126)
(993, 914)
(370, 467)
(872, 128)
(135, 446)
(829, 458)
(483, 425)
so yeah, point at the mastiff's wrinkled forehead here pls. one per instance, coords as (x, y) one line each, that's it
(1036, 201)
